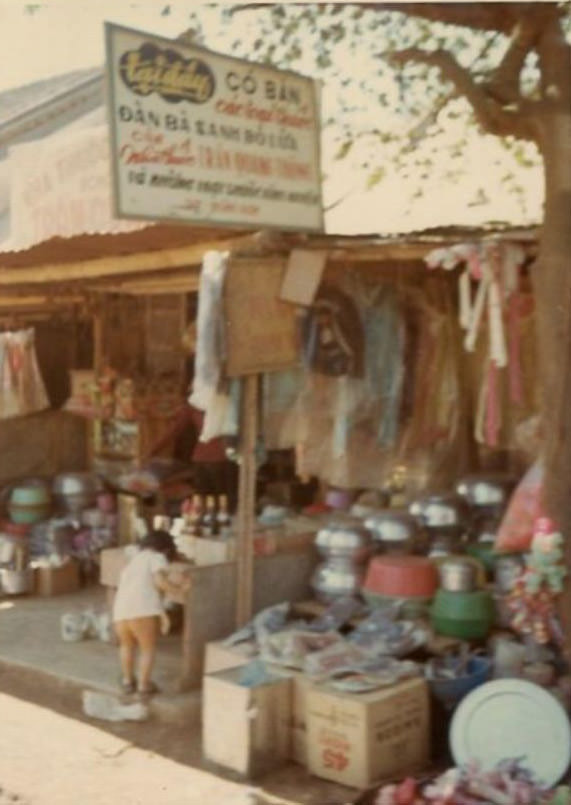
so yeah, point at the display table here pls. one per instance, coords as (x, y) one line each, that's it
(210, 604)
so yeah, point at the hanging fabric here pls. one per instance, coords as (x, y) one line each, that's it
(207, 393)
(495, 266)
(22, 389)
(332, 333)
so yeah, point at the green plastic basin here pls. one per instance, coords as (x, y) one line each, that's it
(468, 616)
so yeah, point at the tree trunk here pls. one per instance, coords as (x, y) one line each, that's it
(552, 285)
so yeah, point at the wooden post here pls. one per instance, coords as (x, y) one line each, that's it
(246, 501)
(98, 356)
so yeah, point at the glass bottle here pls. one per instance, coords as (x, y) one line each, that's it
(209, 524)
(223, 518)
(194, 517)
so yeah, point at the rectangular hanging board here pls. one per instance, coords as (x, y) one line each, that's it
(261, 331)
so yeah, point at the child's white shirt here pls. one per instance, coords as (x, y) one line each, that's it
(137, 596)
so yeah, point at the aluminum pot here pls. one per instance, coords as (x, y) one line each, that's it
(393, 529)
(345, 540)
(336, 578)
(439, 512)
(486, 490)
(506, 571)
(75, 491)
(7, 550)
(16, 582)
(458, 574)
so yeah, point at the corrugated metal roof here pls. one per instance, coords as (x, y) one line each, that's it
(21, 100)
(155, 237)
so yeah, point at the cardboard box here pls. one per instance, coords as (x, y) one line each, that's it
(360, 739)
(57, 580)
(301, 684)
(219, 657)
(214, 551)
(246, 729)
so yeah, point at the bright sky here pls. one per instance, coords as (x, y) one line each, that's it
(65, 35)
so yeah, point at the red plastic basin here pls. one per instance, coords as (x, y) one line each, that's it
(402, 576)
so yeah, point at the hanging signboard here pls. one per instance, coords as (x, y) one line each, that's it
(200, 137)
(261, 330)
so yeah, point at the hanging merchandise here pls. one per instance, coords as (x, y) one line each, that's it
(497, 312)
(333, 336)
(430, 443)
(532, 602)
(280, 392)
(208, 393)
(353, 431)
(384, 361)
(22, 389)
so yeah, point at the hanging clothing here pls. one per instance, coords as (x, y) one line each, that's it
(22, 389)
(208, 357)
(333, 335)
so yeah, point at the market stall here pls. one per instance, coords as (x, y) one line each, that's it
(397, 418)
(439, 575)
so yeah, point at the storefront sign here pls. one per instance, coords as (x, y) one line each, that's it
(205, 138)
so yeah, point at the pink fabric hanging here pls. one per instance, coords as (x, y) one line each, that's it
(492, 406)
(515, 382)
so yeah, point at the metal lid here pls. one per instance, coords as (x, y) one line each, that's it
(485, 489)
(437, 511)
(391, 525)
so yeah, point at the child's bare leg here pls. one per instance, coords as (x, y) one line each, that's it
(146, 631)
(127, 646)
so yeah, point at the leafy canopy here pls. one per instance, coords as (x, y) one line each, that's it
(382, 119)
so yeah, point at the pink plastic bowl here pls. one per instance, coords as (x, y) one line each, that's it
(401, 576)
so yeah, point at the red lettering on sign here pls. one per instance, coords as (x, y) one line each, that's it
(335, 760)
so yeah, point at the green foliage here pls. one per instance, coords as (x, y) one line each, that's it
(380, 117)
(375, 177)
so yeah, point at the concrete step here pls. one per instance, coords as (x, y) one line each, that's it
(65, 691)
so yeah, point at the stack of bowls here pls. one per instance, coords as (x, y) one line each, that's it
(29, 502)
(461, 609)
(411, 580)
(393, 530)
(442, 518)
(75, 491)
(345, 547)
(449, 691)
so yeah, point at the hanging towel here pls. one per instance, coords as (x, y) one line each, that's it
(206, 393)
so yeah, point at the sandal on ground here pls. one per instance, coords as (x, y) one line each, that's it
(149, 691)
(127, 687)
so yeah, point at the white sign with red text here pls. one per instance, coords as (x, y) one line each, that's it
(201, 137)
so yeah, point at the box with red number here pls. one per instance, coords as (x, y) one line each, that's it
(359, 739)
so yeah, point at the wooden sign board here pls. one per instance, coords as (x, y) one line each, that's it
(303, 275)
(261, 332)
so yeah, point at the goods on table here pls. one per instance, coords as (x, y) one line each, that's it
(345, 546)
(468, 616)
(512, 718)
(53, 532)
(507, 784)
(451, 678)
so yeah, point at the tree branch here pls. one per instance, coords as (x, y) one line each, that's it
(504, 84)
(489, 112)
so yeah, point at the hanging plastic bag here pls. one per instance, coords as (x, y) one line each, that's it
(526, 505)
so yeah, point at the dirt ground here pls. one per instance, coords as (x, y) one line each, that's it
(178, 743)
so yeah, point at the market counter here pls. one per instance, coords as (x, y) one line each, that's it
(210, 604)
